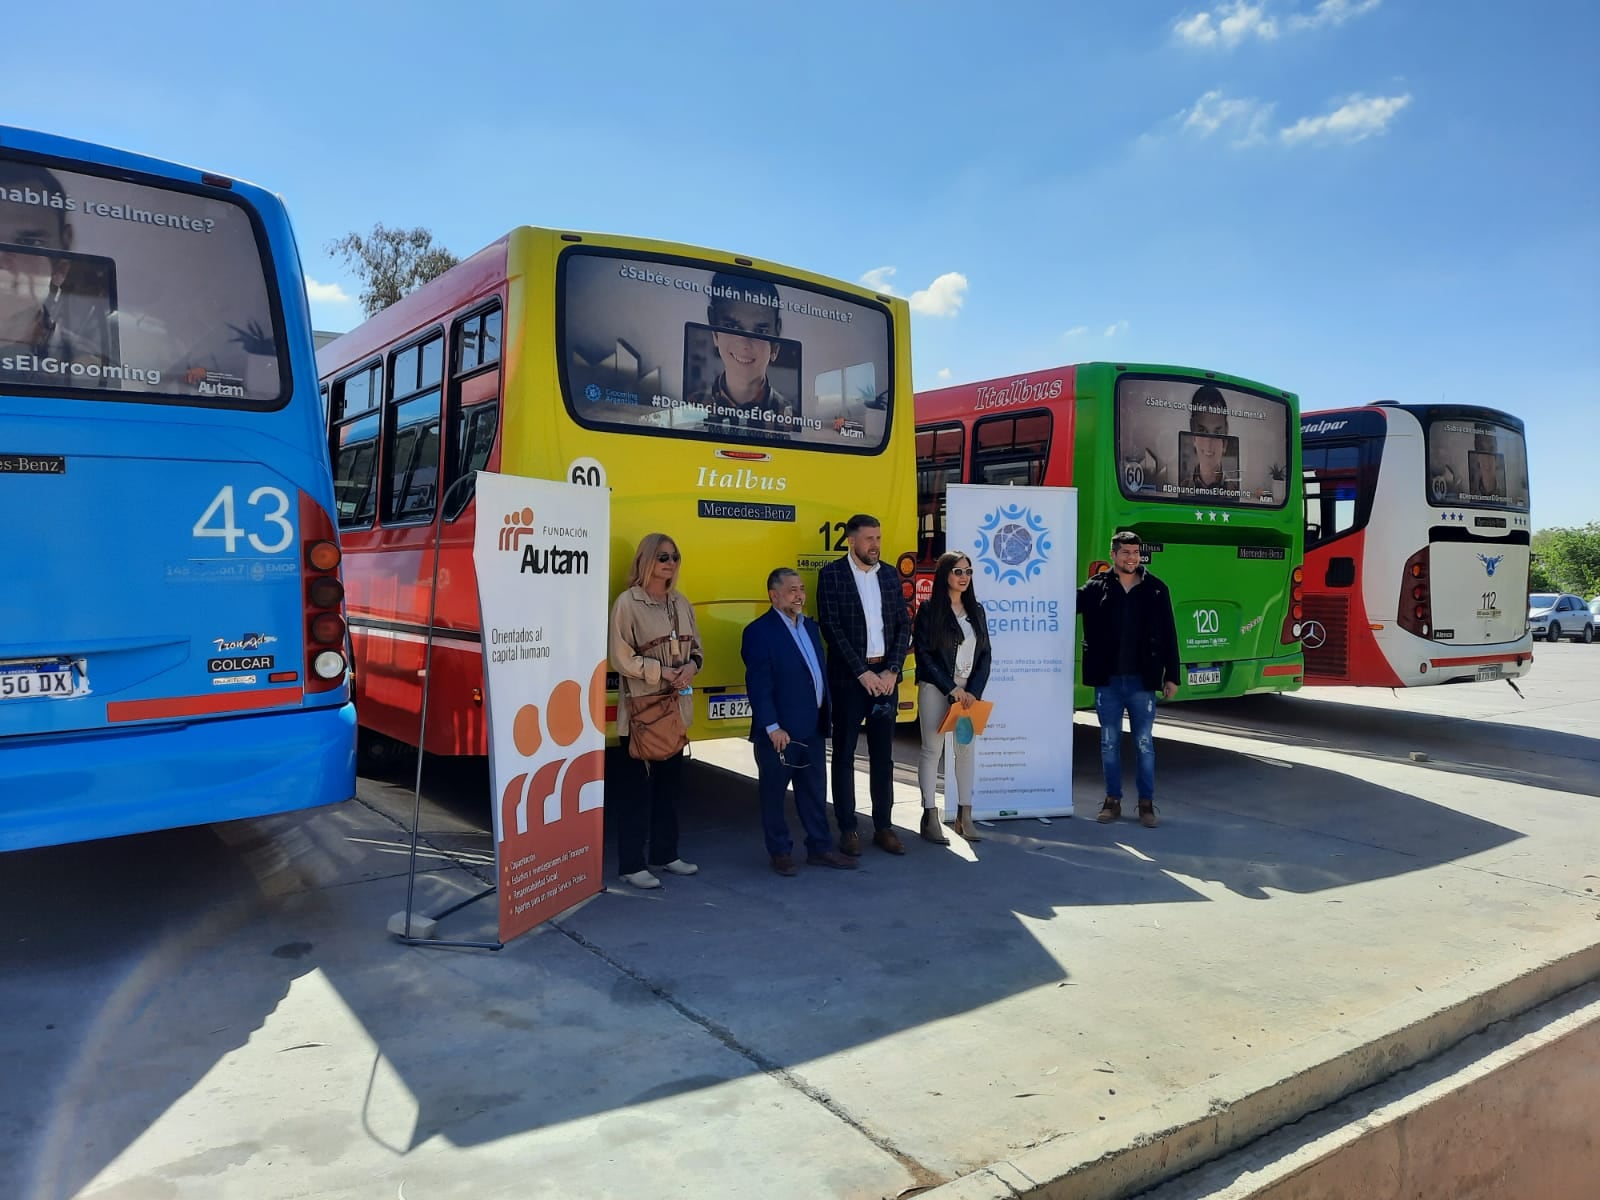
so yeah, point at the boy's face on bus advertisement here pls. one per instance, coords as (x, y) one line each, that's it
(744, 359)
(1210, 431)
(26, 279)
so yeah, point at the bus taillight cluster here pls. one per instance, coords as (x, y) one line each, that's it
(324, 599)
(1416, 607)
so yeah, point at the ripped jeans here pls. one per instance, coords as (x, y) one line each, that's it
(1127, 692)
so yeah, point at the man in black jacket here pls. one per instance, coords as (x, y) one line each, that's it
(1130, 652)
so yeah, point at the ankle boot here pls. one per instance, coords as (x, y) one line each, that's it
(930, 828)
(964, 825)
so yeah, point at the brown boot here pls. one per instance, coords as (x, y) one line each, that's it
(930, 828)
(1111, 810)
(964, 825)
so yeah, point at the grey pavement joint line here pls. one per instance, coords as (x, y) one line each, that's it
(923, 1176)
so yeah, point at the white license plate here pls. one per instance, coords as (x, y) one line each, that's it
(43, 679)
(1201, 676)
(1492, 671)
(728, 708)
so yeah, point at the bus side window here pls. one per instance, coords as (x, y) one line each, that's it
(1011, 450)
(412, 432)
(939, 454)
(474, 404)
(353, 404)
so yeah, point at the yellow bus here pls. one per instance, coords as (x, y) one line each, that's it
(745, 408)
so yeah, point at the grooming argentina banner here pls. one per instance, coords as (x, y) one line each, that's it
(1023, 545)
(541, 551)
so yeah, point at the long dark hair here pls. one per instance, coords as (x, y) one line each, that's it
(944, 627)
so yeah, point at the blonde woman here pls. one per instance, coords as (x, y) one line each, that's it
(951, 639)
(655, 648)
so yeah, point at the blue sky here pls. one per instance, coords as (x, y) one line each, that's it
(1351, 199)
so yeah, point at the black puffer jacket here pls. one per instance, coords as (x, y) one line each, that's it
(1150, 604)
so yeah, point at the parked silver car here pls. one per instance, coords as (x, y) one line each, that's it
(1556, 615)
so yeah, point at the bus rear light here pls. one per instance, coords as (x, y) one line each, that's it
(327, 629)
(908, 590)
(325, 592)
(323, 556)
(283, 676)
(906, 564)
(328, 664)
(1415, 610)
(1299, 576)
(1298, 611)
(1097, 566)
(1297, 594)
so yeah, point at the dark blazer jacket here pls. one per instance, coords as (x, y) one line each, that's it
(1150, 604)
(844, 622)
(940, 669)
(779, 682)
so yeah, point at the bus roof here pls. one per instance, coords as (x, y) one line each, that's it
(1319, 418)
(460, 285)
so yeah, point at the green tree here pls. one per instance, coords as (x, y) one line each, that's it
(391, 262)
(1567, 560)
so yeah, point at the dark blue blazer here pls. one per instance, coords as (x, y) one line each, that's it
(779, 682)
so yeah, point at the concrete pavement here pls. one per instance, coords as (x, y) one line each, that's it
(218, 1013)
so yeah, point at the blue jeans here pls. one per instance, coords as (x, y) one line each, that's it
(1127, 692)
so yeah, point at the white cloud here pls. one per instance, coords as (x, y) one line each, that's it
(325, 293)
(944, 373)
(1228, 26)
(941, 298)
(1076, 331)
(1332, 12)
(1116, 327)
(877, 280)
(1245, 120)
(1357, 119)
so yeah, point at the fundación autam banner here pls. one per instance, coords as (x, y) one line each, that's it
(541, 552)
(1023, 543)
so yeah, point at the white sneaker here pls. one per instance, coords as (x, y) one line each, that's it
(678, 867)
(642, 879)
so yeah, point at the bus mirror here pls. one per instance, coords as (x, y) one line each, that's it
(1341, 572)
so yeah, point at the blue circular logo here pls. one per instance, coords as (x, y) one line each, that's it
(1012, 545)
(592, 393)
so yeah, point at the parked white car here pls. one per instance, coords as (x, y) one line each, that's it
(1556, 615)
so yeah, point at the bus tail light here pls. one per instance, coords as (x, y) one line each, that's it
(1293, 622)
(1415, 613)
(322, 595)
(1097, 566)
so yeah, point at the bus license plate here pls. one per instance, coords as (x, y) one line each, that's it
(43, 679)
(1492, 671)
(1201, 676)
(728, 708)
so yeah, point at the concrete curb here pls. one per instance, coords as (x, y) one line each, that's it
(1197, 1125)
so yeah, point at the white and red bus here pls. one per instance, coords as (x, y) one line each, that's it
(1417, 545)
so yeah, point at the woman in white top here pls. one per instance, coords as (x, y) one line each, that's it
(951, 638)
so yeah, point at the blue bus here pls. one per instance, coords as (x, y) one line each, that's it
(172, 633)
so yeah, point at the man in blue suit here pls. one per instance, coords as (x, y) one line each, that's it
(788, 689)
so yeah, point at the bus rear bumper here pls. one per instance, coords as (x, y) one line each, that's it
(105, 783)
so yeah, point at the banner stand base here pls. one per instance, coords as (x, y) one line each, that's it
(418, 929)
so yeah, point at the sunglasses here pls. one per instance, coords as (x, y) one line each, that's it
(961, 570)
(665, 557)
(795, 756)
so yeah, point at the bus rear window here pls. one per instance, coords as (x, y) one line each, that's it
(1201, 443)
(1477, 464)
(677, 348)
(125, 291)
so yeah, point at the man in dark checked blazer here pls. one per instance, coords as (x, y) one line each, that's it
(864, 621)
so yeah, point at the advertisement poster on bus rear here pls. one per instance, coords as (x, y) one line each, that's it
(542, 560)
(1023, 544)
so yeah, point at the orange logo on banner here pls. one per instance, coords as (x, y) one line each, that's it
(550, 857)
(515, 525)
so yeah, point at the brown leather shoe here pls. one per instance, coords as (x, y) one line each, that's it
(832, 858)
(783, 864)
(1110, 811)
(885, 839)
(1147, 814)
(850, 843)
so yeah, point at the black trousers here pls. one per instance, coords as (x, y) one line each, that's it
(851, 706)
(643, 806)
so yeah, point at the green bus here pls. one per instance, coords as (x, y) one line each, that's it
(1204, 467)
